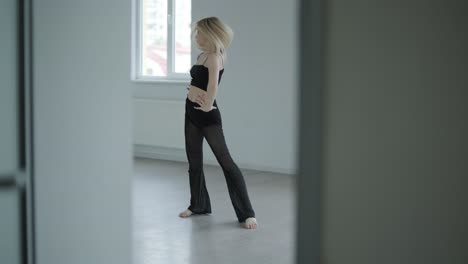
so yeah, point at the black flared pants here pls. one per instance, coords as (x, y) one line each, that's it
(200, 200)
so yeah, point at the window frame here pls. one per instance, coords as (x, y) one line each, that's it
(136, 52)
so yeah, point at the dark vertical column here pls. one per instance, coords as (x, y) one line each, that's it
(310, 110)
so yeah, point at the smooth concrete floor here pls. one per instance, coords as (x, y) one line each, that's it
(160, 236)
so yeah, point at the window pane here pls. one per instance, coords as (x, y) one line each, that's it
(182, 35)
(154, 38)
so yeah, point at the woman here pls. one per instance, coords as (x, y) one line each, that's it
(203, 120)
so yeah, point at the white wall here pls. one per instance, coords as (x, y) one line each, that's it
(395, 133)
(257, 95)
(8, 83)
(82, 131)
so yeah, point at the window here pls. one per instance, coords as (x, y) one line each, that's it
(161, 40)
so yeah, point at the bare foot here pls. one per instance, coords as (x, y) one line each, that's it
(250, 223)
(185, 213)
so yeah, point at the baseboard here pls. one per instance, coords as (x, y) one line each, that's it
(176, 154)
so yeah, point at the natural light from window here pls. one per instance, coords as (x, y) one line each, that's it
(165, 45)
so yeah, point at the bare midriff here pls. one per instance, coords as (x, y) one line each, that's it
(193, 92)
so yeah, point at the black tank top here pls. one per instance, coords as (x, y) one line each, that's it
(199, 73)
(199, 118)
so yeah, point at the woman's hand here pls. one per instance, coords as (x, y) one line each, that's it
(200, 99)
(204, 108)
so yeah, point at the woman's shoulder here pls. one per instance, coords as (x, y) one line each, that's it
(215, 59)
(212, 54)
(199, 55)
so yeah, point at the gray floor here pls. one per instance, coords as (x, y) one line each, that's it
(161, 191)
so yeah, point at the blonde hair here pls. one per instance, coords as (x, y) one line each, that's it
(218, 34)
